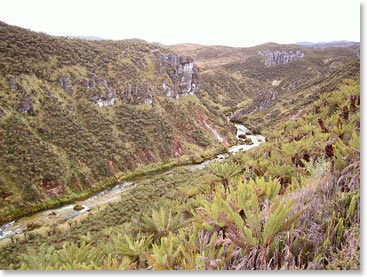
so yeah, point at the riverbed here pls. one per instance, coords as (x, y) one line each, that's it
(63, 214)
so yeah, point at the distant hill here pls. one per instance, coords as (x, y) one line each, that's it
(86, 37)
(339, 43)
(253, 80)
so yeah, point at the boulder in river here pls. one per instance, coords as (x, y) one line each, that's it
(248, 141)
(242, 136)
(78, 208)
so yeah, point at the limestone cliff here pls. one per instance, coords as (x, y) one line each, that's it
(183, 73)
(273, 58)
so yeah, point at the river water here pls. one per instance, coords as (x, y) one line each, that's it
(110, 195)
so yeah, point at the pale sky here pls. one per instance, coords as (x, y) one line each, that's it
(220, 22)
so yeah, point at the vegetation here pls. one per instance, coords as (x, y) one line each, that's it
(58, 145)
(290, 205)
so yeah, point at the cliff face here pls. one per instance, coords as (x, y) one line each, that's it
(183, 80)
(273, 58)
(183, 73)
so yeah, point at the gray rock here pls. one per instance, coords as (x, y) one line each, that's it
(246, 141)
(137, 95)
(182, 71)
(90, 84)
(104, 101)
(266, 99)
(66, 84)
(101, 82)
(26, 107)
(273, 58)
(295, 85)
(13, 83)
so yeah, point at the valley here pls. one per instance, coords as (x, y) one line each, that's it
(126, 154)
(63, 214)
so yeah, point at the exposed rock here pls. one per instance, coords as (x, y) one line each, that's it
(167, 90)
(109, 100)
(137, 95)
(273, 58)
(295, 84)
(95, 80)
(53, 97)
(26, 106)
(105, 102)
(101, 82)
(276, 83)
(182, 71)
(246, 141)
(78, 208)
(265, 99)
(65, 82)
(13, 83)
(148, 100)
(242, 136)
(235, 116)
(89, 84)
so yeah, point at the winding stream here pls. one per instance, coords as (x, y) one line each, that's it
(63, 214)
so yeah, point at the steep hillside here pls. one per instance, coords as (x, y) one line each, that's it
(77, 116)
(74, 113)
(254, 79)
(293, 203)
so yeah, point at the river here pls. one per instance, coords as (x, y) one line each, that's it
(110, 195)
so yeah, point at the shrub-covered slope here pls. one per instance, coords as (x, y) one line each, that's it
(291, 203)
(74, 113)
(254, 79)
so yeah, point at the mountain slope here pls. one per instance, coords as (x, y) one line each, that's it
(293, 203)
(74, 113)
(263, 74)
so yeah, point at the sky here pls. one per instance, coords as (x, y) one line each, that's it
(237, 23)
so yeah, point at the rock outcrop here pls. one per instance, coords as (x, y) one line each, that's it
(26, 106)
(273, 58)
(137, 95)
(65, 83)
(182, 71)
(265, 99)
(13, 83)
